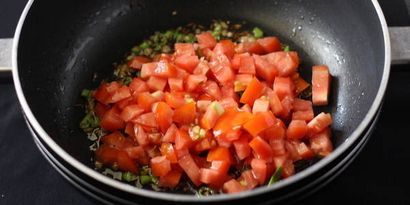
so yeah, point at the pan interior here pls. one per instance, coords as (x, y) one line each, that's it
(64, 45)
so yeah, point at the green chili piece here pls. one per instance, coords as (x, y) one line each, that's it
(129, 177)
(145, 179)
(286, 48)
(275, 176)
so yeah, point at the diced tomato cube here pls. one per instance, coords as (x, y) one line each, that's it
(320, 85)
(112, 120)
(225, 47)
(251, 47)
(130, 112)
(275, 103)
(270, 44)
(187, 62)
(221, 69)
(259, 122)
(171, 179)
(156, 83)
(261, 148)
(259, 169)
(182, 140)
(138, 153)
(188, 164)
(232, 186)
(120, 94)
(297, 129)
(206, 40)
(248, 179)
(247, 65)
(202, 68)
(175, 99)
(160, 166)
(182, 49)
(176, 84)
(300, 83)
(319, 123)
(219, 154)
(286, 62)
(242, 147)
(194, 81)
(163, 115)
(278, 146)
(146, 119)
(283, 87)
(321, 144)
(137, 61)
(260, 105)
(264, 69)
(252, 92)
(170, 134)
(138, 86)
(108, 156)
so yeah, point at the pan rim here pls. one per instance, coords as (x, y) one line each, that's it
(191, 198)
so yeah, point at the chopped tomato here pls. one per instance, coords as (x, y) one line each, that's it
(182, 140)
(221, 68)
(264, 69)
(252, 92)
(242, 147)
(320, 85)
(130, 112)
(206, 40)
(163, 115)
(138, 153)
(219, 154)
(259, 169)
(112, 120)
(319, 123)
(213, 112)
(100, 109)
(225, 47)
(259, 122)
(138, 61)
(176, 84)
(202, 68)
(160, 166)
(211, 88)
(156, 83)
(175, 99)
(286, 62)
(170, 134)
(117, 140)
(140, 135)
(185, 114)
(251, 47)
(261, 148)
(300, 84)
(247, 65)
(171, 179)
(297, 129)
(283, 87)
(232, 186)
(147, 119)
(247, 178)
(120, 94)
(184, 49)
(187, 62)
(270, 44)
(321, 144)
(260, 105)
(194, 81)
(188, 164)
(110, 156)
(167, 150)
(138, 86)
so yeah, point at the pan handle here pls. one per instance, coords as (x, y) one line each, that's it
(400, 45)
(5, 54)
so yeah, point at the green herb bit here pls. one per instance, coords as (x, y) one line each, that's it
(126, 80)
(129, 177)
(257, 32)
(286, 48)
(145, 179)
(144, 45)
(276, 176)
(89, 121)
(86, 93)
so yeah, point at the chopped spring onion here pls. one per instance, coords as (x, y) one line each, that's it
(146, 179)
(204, 191)
(257, 32)
(275, 176)
(89, 121)
(286, 48)
(129, 177)
(86, 93)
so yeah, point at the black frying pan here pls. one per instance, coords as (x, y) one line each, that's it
(60, 46)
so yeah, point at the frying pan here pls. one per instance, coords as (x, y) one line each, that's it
(61, 47)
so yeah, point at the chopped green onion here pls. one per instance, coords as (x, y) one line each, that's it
(145, 179)
(286, 48)
(257, 32)
(129, 177)
(144, 45)
(90, 120)
(127, 80)
(204, 191)
(86, 93)
(276, 176)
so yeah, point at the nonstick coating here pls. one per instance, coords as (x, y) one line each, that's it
(66, 46)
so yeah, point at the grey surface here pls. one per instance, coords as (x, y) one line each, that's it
(400, 45)
(5, 54)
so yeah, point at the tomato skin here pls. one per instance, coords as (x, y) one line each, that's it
(259, 169)
(221, 69)
(111, 120)
(138, 86)
(319, 123)
(185, 114)
(259, 122)
(264, 69)
(182, 140)
(137, 62)
(285, 62)
(321, 144)
(232, 186)
(163, 115)
(130, 112)
(109, 156)
(297, 129)
(252, 92)
(320, 85)
(242, 148)
(160, 166)
(182, 49)
(206, 40)
(270, 44)
(219, 154)
(187, 62)
(261, 148)
(247, 65)
(188, 164)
